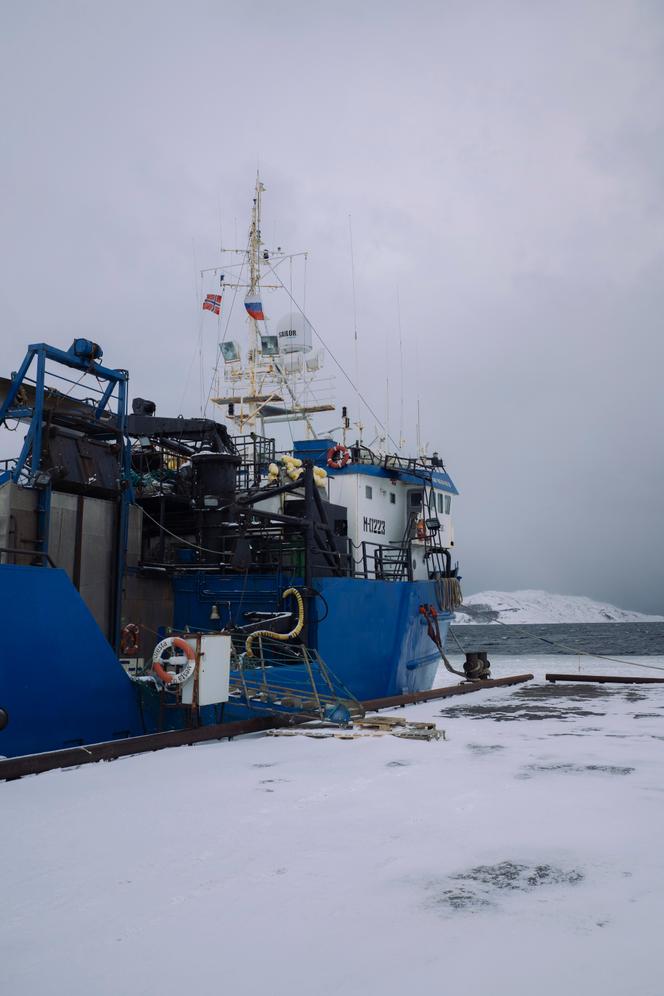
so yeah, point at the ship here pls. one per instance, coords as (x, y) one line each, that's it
(158, 572)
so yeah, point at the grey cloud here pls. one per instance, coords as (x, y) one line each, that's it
(502, 164)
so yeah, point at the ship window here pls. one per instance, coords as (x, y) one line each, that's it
(393, 498)
(440, 503)
(415, 499)
(448, 502)
(368, 491)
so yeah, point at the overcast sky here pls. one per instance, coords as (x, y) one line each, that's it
(503, 164)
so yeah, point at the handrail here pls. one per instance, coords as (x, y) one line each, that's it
(27, 553)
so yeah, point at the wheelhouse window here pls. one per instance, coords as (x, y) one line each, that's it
(368, 491)
(414, 500)
(448, 502)
(393, 498)
(440, 503)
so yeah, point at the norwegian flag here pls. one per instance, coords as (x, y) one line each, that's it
(212, 303)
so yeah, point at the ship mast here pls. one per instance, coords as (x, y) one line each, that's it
(254, 280)
(261, 382)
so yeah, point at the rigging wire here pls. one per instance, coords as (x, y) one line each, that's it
(357, 360)
(338, 364)
(223, 338)
(76, 383)
(401, 372)
(387, 382)
(201, 319)
(180, 539)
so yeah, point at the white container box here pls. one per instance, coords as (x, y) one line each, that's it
(214, 672)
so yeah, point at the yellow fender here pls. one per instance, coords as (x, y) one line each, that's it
(280, 636)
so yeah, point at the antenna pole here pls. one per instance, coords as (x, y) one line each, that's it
(387, 390)
(401, 439)
(357, 360)
(254, 279)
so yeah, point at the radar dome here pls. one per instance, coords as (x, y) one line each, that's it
(295, 334)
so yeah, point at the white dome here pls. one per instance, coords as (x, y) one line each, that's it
(294, 333)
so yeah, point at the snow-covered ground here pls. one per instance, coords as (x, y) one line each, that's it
(524, 607)
(521, 855)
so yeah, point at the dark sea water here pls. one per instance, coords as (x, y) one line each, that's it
(594, 638)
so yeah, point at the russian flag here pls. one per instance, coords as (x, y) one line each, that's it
(254, 306)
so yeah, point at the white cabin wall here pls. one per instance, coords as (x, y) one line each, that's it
(375, 519)
(349, 490)
(445, 519)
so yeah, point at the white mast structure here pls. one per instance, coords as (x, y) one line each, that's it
(273, 361)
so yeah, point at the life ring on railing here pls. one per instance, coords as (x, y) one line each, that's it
(129, 637)
(159, 664)
(421, 529)
(338, 456)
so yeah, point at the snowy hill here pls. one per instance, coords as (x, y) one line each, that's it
(541, 607)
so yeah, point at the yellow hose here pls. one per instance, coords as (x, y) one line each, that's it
(280, 636)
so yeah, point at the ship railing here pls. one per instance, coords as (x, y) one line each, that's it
(382, 561)
(265, 681)
(257, 453)
(394, 462)
(37, 558)
(8, 468)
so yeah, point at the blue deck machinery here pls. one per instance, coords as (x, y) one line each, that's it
(27, 401)
(60, 683)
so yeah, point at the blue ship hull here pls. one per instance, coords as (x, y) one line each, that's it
(370, 633)
(61, 685)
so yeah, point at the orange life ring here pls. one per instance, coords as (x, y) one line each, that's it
(338, 456)
(158, 663)
(421, 529)
(129, 637)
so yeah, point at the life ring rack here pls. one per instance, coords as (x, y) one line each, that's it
(338, 456)
(129, 640)
(159, 663)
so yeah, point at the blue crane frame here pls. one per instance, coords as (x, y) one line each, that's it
(84, 356)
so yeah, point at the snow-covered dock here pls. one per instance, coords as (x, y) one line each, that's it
(522, 854)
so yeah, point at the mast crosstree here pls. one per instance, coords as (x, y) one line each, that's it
(274, 380)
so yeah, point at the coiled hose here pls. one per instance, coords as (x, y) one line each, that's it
(280, 636)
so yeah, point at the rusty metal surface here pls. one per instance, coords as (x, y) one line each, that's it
(31, 764)
(606, 678)
(443, 693)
